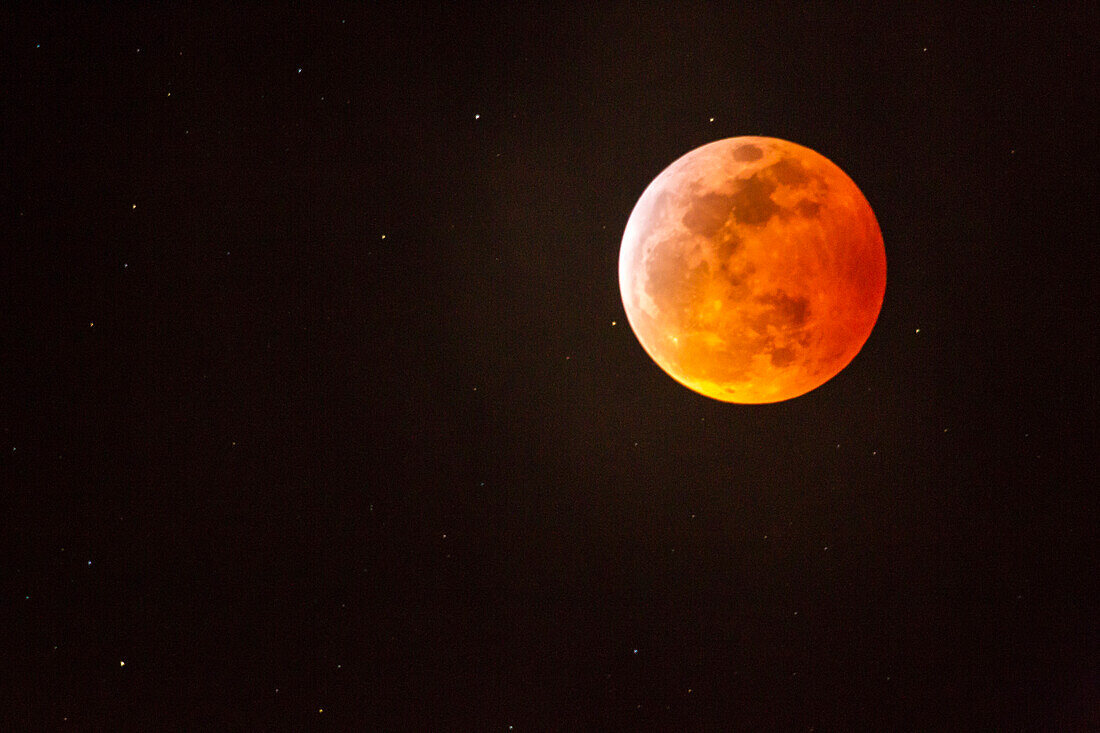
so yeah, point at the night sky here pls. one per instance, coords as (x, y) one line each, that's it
(320, 408)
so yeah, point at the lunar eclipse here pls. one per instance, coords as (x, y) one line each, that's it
(752, 270)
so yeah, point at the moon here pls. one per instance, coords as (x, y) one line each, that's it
(752, 270)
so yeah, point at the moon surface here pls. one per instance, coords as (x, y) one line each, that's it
(752, 270)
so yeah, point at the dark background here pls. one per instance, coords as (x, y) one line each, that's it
(318, 394)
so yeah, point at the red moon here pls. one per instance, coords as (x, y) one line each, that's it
(752, 270)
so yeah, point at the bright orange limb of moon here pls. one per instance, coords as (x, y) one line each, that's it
(752, 270)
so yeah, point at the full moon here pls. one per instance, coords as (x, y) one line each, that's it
(752, 270)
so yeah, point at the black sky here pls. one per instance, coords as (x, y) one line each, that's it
(320, 407)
